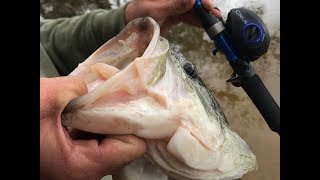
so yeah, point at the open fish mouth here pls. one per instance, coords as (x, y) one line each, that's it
(138, 83)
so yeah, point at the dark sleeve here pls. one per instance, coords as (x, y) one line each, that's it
(69, 41)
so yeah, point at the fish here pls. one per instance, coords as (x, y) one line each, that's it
(139, 83)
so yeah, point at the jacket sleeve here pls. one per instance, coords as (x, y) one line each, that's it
(69, 41)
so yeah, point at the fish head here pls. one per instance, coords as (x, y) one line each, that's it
(139, 83)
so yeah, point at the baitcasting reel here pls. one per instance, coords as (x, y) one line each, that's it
(243, 38)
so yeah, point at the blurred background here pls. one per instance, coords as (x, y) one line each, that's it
(196, 46)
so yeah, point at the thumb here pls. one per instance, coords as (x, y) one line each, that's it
(55, 93)
(120, 150)
(209, 5)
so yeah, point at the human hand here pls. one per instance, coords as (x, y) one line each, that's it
(62, 156)
(167, 13)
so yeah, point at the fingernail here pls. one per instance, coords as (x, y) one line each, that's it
(217, 9)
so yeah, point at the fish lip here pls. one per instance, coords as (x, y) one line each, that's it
(155, 37)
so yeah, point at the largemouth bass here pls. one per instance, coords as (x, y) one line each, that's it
(139, 83)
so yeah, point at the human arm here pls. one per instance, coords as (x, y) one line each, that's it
(69, 41)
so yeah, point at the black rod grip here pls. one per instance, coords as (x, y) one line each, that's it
(263, 100)
(206, 17)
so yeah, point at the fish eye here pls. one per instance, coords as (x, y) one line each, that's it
(190, 69)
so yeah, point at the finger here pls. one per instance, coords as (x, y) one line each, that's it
(177, 7)
(77, 134)
(209, 5)
(119, 150)
(191, 19)
(187, 18)
(55, 93)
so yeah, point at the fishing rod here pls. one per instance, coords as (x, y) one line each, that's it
(243, 38)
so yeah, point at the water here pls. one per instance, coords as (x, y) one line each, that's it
(194, 44)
